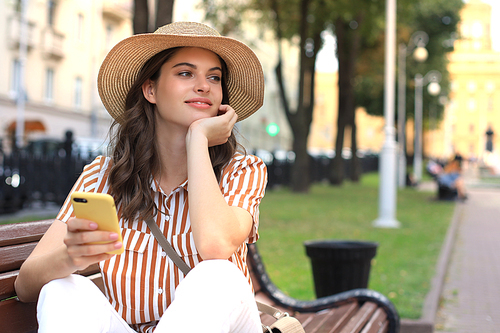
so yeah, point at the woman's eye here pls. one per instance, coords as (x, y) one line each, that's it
(186, 74)
(215, 78)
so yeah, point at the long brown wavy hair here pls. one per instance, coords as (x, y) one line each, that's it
(135, 151)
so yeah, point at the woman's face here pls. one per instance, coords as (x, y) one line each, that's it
(189, 87)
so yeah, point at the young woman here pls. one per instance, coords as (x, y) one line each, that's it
(175, 95)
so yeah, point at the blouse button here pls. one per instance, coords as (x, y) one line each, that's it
(160, 291)
(163, 254)
(167, 218)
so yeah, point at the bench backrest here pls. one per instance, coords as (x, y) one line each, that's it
(356, 311)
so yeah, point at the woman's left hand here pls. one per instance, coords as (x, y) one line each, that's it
(215, 129)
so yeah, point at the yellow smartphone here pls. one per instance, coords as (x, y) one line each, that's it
(100, 208)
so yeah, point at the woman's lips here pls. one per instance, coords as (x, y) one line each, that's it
(201, 103)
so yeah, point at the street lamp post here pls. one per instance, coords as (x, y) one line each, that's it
(20, 89)
(416, 46)
(387, 167)
(432, 78)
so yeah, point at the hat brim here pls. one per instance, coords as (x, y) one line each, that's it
(122, 64)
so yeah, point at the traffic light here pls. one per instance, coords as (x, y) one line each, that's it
(272, 129)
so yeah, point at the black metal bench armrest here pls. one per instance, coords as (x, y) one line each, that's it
(328, 302)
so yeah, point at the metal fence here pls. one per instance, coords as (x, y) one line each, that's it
(279, 170)
(48, 176)
(27, 177)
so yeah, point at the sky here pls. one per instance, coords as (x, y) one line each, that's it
(325, 64)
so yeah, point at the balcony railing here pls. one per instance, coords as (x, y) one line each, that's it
(52, 44)
(14, 32)
(117, 10)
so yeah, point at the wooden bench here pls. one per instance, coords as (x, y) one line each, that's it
(359, 310)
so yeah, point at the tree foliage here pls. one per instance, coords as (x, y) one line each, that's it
(437, 18)
(359, 29)
(288, 19)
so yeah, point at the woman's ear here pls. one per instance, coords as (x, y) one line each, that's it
(148, 90)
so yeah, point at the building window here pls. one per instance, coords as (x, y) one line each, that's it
(49, 85)
(477, 30)
(79, 27)
(109, 36)
(78, 93)
(471, 86)
(472, 104)
(490, 103)
(490, 86)
(14, 80)
(51, 12)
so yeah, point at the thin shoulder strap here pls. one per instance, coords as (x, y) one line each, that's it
(162, 240)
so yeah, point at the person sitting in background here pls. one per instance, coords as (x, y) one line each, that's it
(451, 176)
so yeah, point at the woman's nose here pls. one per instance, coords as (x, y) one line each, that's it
(201, 85)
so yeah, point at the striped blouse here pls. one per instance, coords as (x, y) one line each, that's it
(140, 283)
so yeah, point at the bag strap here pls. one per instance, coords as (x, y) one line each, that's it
(162, 240)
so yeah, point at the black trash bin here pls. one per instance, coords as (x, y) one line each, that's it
(340, 265)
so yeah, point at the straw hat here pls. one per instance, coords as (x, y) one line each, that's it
(122, 64)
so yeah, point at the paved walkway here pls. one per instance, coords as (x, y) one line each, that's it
(471, 293)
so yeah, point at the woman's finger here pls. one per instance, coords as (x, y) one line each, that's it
(86, 237)
(74, 224)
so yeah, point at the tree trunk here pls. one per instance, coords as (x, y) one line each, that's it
(141, 17)
(344, 84)
(348, 45)
(355, 163)
(300, 120)
(164, 12)
(300, 169)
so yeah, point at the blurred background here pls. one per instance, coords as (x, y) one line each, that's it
(322, 118)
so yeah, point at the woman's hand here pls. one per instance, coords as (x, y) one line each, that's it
(79, 239)
(215, 129)
(63, 249)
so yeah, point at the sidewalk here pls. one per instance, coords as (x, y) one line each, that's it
(470, 298)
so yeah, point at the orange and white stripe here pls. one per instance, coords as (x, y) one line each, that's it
(140, 283)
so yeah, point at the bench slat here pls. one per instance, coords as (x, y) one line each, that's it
(13, 256)
(7, 284)
(376, 322)
(17, 317)
(7, 280)
(384, 328)
(358, 321)
(19, 233)
(340, 318)
(314, 323)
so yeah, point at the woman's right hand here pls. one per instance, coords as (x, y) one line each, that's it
(80, 242)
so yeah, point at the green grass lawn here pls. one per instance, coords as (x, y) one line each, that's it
(406, 257)
(28, 218)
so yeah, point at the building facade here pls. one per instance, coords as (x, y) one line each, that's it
(65, 44)
(473, 108)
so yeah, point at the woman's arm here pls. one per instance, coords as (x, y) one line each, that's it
(62, 250)
(218, 228)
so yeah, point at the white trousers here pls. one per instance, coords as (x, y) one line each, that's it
(214, 297)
